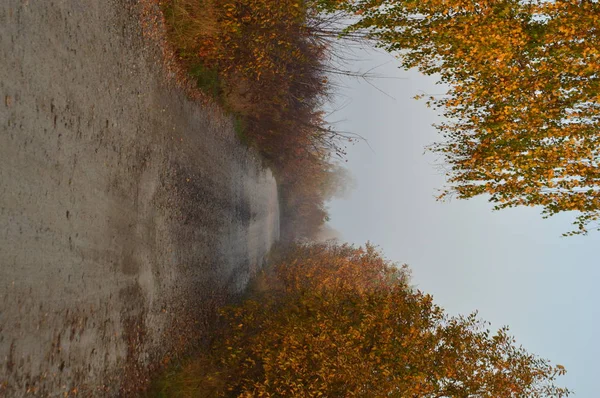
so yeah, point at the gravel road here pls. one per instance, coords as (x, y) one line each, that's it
(128, 212)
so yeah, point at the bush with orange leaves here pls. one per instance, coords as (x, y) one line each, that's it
(336, 321)
(266, 62)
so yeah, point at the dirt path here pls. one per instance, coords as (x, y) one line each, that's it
(127, 212)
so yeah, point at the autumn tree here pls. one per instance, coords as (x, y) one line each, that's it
(335, 321)
(523, 110)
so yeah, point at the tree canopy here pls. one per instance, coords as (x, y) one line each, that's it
(522, 112)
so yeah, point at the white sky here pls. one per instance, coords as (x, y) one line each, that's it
(511, 265)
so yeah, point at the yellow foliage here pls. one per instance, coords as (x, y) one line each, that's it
(524, 78)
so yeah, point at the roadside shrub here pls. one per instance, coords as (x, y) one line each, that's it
(335, 321)
(267, 63)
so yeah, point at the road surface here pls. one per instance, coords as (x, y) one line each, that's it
(128, 212)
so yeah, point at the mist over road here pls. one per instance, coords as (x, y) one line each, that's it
(127, 212)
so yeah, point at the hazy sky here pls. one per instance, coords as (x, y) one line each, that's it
(511, 265)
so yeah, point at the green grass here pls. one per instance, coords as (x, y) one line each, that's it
(240, 130)
(207, 80)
